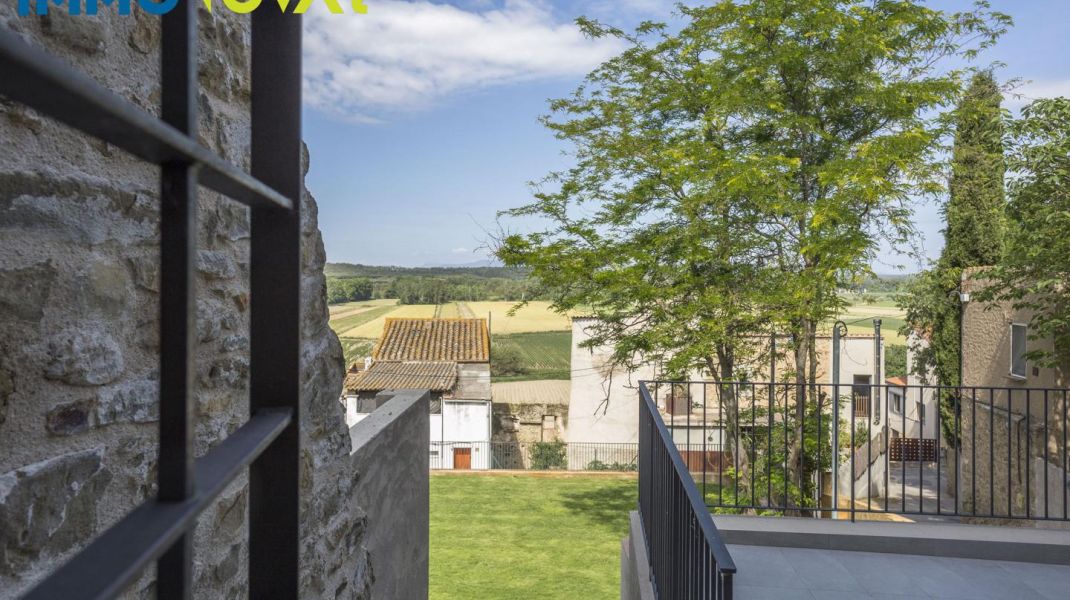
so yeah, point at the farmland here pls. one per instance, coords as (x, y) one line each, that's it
(541, 336)
(544, 355)
(532, 317)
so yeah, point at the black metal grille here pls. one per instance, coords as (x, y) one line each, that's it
(992, 453)
(689, 559)
(268, 444)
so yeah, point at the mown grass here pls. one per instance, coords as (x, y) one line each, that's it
(545, 355)
(503, 537)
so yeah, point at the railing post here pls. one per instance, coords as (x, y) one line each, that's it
(275, 338)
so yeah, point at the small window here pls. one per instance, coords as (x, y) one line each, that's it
(921, 413)
(861, 395)
(1018, 340)
(897, 402)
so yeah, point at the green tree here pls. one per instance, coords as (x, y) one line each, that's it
(732, 175)
(975, 215)
(1035, 273)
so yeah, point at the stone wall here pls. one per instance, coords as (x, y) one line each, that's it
(79, 293)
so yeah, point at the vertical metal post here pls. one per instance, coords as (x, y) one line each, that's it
(178, 253)
(275, 338)
(877, 372)
(836, 418)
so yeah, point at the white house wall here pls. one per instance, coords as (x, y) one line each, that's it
(602, 408)
(467, 424)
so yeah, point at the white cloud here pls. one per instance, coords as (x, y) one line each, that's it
(461, 250)
(1032, 90)
(406, 55)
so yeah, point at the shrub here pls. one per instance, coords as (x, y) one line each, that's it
(547, 455)
(507, 360)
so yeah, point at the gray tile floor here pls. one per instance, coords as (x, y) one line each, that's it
(767, 573)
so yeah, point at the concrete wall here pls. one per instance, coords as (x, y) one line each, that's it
(603, 404)
(473, 381)
(635, 579)
(79, 305)
(390, 462)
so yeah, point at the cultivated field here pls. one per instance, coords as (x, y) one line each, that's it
(373, 328)
(859, 318)
(533, 317)
(545, 355)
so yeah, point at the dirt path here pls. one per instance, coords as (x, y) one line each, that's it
(465, 311)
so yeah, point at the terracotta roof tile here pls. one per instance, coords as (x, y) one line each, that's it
(896, 381)
(412, 375)
(454, 340)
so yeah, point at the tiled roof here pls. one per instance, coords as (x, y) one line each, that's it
(413, 375)
(896, 381)
(454, 340)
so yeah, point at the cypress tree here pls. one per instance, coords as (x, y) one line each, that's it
(975, 214)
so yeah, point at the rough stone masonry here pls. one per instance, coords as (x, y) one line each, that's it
(79, 288)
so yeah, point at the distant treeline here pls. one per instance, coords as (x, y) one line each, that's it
(437, 285)
(349, 289)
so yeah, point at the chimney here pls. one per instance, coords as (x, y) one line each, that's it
(367, 362)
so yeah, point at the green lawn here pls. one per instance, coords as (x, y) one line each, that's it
(496, 537)
(546, 355)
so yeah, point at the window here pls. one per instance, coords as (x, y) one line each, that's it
(1018, 340)
(921, 413)
(897, 401)
(861, 395)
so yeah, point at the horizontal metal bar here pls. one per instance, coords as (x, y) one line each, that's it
(116, 558)
(44, 83)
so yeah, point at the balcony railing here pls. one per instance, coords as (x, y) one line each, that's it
(688, 558)
(964, 453)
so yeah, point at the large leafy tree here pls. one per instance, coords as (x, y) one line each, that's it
(731, 176)
(1035, 271)
(975, 214)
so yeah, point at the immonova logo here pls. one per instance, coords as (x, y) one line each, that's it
(92, 7)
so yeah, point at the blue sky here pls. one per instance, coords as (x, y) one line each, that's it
(421, 117)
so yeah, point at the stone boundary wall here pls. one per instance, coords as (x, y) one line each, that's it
(79, 293)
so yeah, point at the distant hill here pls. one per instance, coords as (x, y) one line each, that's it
(379, 272)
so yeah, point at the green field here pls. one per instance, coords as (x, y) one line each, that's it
(545, 355)
(504, 537)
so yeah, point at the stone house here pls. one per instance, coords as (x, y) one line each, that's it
(1015, 408)
(450, 357)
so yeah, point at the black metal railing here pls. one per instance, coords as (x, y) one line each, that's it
(161, 528)
(950, 452)
(535, 456)
(688, 558)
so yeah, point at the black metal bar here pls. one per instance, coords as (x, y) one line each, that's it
(275, 278)
(37, 79)
(678, 526)
(178, 305)
(116, 558)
